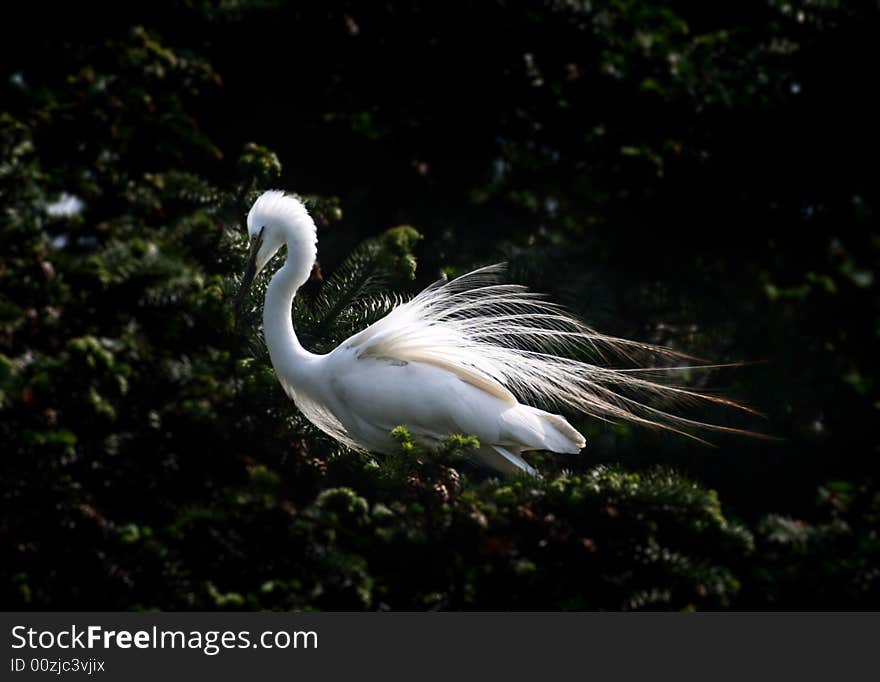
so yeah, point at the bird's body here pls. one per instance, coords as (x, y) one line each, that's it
(369, 396)
(464, 357)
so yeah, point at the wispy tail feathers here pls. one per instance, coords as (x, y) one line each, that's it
(540, 353)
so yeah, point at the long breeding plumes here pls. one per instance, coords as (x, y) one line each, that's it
(474, 355)
(494, 333)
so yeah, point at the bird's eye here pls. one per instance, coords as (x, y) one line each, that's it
(257, 239)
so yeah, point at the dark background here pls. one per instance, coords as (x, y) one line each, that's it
(698, 175)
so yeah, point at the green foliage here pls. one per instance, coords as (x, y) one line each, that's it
(260, 164)
(842, 548)
(414, 462)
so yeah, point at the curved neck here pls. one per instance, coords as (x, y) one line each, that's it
(288, 356)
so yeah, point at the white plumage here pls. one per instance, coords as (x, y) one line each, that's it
(468, 356)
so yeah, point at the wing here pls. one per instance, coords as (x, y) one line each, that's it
(372, 395)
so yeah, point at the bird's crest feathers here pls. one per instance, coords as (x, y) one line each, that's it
(275, 208)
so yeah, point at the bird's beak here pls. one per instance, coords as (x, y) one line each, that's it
(250, 272)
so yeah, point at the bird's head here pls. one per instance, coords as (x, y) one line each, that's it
(276, 219)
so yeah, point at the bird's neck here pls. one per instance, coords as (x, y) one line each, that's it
(288, 356)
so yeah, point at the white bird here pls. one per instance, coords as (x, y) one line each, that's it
(466, 356)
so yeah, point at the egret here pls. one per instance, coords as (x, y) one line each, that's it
(472, 356)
